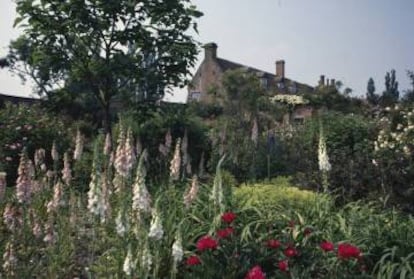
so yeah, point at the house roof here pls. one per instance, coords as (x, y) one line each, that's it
(230, 65)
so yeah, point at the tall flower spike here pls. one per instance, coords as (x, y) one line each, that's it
(13, 217)
(323, 158)
(131, 159)
(146, 259)
(39, 157)
(129, 264)
(255, 132)
(120, 222)
(217, 192)
(78, 146)
(24, 181)
(108, 144)
(141, 200)
(9, 260)
(54, 152)
(176, 162)
(66, 172)
(191, 194)
(3, 184)
(168, 140)
(57, 200)
(177, 249)
(184, 149)
(156, 231)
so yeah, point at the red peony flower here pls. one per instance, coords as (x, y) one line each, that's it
(290, 252)
(255, 273)
(283, 265)
(327, 246)
(228, 217)
(307, 231)
(193, 260)
(206, 243)
(224, 233)
(273, 243)
(347, 251)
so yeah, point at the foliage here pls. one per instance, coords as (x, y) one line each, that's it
(372, 98)
(409, 94)
(28, 128)
(104, 49)
(391, 94)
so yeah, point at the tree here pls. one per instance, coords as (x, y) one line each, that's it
(372, 98)
(105, 48)
(409, 94)
(391, 94)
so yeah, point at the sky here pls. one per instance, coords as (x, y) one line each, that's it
(348, 40)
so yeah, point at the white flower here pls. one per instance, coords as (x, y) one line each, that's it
(156, 231)
(121, 227)
(177, 249)
(56, 201)
(191, 194)
(24, 181)
(129, 264)
(66, 172)
(176, 162)
(141, 200)
(217, 192)
(54, 152)
(323, 158)
(78, 146)
(146, 259)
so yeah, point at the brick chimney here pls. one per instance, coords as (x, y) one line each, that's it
(280, 68)
(210, 51)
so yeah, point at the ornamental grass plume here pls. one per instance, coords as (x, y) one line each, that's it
(9, 260)
(3, 184)
(141, 199)
(176, 162)
(156, 231)
(24, 180)
(191, 193)
(78, 146)
(66, 172)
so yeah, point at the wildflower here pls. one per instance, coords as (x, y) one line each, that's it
(206, 243)
(224, 233)
(9, 259)
(255, 132)
(176, 162)
(255, 273)
(177, 249)
(156, 231)
(323, 158)
(129, 264)
(3, 183)
(327, 246)
(97, 203)
(273, 243)
(129, 153)
(56, 201)
(228, 217)
(13, 217)
(78, 146)
(124, 156)
(347, 251)
(193, 260)
(66, 172)
(146, 259)
(290, 252)
(54, 152)
(121, 226)
(141, 200)
(23, 182)
(108, 144)
(39, 157)
(191, 194)
(283, 265)
(50, 234)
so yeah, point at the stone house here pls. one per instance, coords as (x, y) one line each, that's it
(207, 81)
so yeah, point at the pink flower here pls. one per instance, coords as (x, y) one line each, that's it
(347, 251)
(224, 233)
(255, 273)
(283, 265)
(193, 260)
(228, 217)
(273, 243)
(290, 252)
(327, 246)
(206, 243)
